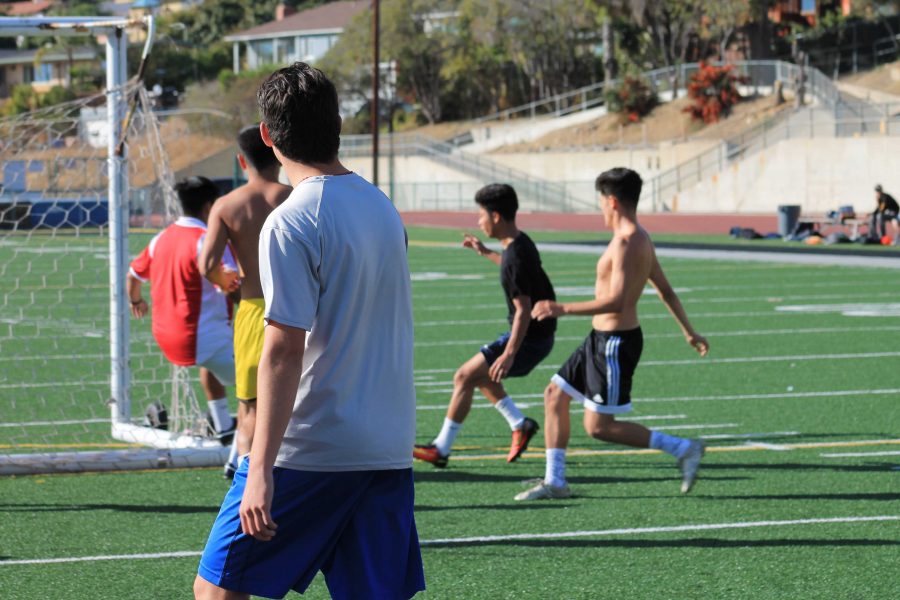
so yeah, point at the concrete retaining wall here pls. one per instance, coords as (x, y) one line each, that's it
(819, 174)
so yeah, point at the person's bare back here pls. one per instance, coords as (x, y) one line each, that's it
(627, 264)
(238, 218)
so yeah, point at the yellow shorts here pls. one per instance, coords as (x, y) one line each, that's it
(248, 343)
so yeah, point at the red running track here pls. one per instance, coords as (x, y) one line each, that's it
(654, 223)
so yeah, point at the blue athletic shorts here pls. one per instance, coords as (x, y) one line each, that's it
(530, 354)
(357, 527)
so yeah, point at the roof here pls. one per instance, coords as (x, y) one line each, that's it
(27, 57)
(24, 9)
(327, 18)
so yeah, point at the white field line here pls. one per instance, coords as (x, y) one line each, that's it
(816, 283)
(539, 452)
(55, 423)
(737, 436)
(860, 454)
(766, 446)
(708, 361)
(692, 362)
(646, 530)
(688, 295)
(3, 386)
(707, 334)
(506, 538)
(92, 331)
(699, 426)
(501, 324)
(825, 394)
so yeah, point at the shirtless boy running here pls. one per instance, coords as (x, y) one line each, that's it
(598, 374)
(237, 219)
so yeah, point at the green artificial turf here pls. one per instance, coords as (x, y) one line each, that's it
(779, 391)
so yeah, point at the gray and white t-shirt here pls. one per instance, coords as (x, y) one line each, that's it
(332, 261)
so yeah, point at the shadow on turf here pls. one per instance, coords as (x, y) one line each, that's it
(681, 543)
(504, 507)
(135, 508)
(793, 466)
(454, 476)
(877, 496)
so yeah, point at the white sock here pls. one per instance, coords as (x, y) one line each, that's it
(444, 440)
(556, 467)
(222, 419)
(671, 444)
(509, 410)
(233, 454)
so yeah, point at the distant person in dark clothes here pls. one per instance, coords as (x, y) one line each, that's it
(514, 354)
(885, 212)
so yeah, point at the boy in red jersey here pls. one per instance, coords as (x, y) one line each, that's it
(191, 318)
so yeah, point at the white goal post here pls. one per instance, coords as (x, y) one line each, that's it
(45, 163)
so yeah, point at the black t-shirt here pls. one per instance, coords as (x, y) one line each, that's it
(888, 204)
(521, 274)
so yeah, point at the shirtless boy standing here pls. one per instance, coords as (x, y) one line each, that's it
(598, 374)
(237, 219)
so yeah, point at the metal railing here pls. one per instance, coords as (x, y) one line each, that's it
(539, 194)
(664, 80)
(836, 115)
(693, 170)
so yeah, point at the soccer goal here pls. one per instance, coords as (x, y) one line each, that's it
(81, 385)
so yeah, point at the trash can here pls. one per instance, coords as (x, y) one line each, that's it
(788, 215)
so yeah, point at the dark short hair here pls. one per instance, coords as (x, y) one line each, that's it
(499, 198)
(622, 183)
(194, 193)
(299, 106)
(878, 188)
(254, 150)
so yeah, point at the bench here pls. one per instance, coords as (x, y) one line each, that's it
(850, 226)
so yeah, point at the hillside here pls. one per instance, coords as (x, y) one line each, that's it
(668, 122)
(885, 78)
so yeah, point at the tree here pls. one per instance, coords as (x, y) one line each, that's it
(414, 34)
(673, 25)
(722, 19)
(553, 42)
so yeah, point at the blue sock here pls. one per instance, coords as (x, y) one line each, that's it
(670, 444)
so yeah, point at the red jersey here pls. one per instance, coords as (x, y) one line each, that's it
(190, 316)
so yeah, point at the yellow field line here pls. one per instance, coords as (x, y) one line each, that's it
(743, 448)
(574, 452)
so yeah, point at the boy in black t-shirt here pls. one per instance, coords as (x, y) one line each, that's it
(513, 354)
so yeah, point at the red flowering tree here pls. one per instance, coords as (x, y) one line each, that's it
(633, 99)
(713, 91)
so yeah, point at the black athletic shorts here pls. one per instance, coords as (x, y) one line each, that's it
(531, 352)
(599, 372)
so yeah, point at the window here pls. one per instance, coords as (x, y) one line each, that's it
(264, 55)
(43, 73)
(317, 45)
(808, 6)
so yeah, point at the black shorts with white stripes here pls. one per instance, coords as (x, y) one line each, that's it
(599, 372)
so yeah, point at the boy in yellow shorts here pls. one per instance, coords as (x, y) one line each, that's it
(236, 220)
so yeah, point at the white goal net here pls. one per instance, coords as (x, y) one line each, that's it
(76, 373)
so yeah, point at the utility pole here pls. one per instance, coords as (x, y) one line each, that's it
(373, 106)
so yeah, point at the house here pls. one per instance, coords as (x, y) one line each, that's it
(31, 8)
(306, 35)
(806, 12)
(42, 68)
